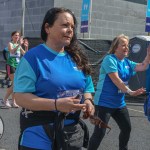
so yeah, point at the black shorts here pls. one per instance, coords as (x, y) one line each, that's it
(10, 69)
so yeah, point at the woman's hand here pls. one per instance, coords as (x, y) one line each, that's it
(69, 104)
(25, 43)
(21, 41)
(148, 52)
(88, 110)
(137, 92)
(143, 66)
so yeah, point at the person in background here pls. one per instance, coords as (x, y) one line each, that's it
(5, 53)
(15, 51)
(115, 72)
(53, 84)
(25, 45)
(6, 80)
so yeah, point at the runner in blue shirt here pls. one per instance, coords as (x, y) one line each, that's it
(115, 72)
(47, 81)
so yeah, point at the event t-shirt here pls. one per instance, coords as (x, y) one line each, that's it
(48, 74)
(107, 93)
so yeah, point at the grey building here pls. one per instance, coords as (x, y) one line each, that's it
(108, 17)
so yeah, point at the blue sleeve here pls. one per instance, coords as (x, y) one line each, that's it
(109, 64)
(89, 85)
(6, 49)
(25, 77)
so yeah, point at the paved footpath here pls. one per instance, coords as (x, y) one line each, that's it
(140, 135)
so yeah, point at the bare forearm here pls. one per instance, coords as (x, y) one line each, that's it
(22, 51)
(13, 50)
(120, 84)
(125, 89)
(32, 102)
(142, 66)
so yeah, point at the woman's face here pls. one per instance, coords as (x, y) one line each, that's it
(122, 49)
(16, 37)
(61, 32)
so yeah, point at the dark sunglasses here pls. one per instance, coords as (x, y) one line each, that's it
(96, 121)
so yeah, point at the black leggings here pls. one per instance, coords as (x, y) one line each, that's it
(27, 148)
(121, 116)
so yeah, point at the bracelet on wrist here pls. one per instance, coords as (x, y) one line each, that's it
(90, 99)
(129, 91)
(56, 105)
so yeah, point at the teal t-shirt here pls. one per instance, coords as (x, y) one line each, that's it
(107, 93)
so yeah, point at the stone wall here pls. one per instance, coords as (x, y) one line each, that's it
(108, 17)
(111, 17)
(11, 18)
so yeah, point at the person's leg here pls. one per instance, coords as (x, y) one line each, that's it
(11, 77)
(98, 134)
(9, 91)
(13, 98)
(4, 82)
(121, 116)
(6, 77)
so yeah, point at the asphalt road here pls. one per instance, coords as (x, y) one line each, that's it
(140, 135)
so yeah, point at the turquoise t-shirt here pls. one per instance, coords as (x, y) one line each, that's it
(107, 93)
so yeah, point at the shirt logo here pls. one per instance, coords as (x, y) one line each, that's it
(75, 68)
(127, 67)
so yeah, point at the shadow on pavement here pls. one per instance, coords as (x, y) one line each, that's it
(136, 99)
(137, 116)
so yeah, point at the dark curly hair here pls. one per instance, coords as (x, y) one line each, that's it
(73, 48)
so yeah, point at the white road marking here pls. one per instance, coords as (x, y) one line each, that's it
(136, 110)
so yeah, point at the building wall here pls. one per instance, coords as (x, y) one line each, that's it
(11, 18)
(111, 17)
(108, 17)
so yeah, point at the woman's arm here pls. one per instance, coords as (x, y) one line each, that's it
(26, 45)
(120, 84)
(22, 51)
(11, 49)
(142, 66)
(32, 102)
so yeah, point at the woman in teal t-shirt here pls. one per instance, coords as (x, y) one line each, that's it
(115, 72)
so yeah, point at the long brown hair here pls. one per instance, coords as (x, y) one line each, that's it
(73, 48)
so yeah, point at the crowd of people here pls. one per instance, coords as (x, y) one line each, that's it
(53, 85)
